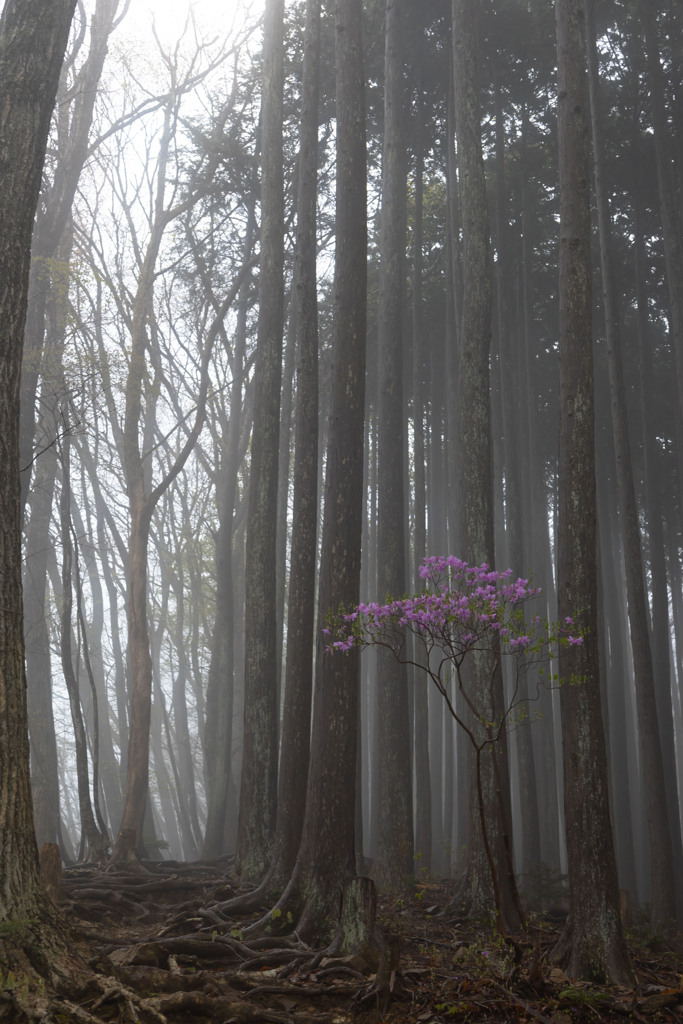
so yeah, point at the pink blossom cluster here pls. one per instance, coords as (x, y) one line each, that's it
(464, 607)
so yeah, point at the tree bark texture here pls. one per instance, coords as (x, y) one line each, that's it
(44, 766)
(660, 832)
(394, 859)
(296, 722)
(33, 38)
(221, 682)
(659, 616)
(476, 470)
(94, 842)
(594, 943)
(327, 856)
(423, 785)
(258, 794)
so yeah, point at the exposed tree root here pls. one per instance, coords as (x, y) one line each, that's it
(151, 959)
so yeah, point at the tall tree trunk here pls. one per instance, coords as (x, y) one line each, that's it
(296, 722)
(33, 38)
(619, 700)
(96, 842)
(593, 941)
(513, 428)
(327, 855)
(258, 793)
(661, 849)
(44, 766)
(73, 139)
(394, 861)
(536, 537)
(476, 474)
(659, 612)
(221, 682)
(139, 419)
(47, 243)
(109, 769)
(294, 753)
(423, 786)
(673, 250)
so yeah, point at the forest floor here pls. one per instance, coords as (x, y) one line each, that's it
(167, 937)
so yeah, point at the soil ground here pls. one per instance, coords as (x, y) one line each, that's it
(165, 935)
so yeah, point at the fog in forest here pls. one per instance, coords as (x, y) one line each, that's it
(315, 298)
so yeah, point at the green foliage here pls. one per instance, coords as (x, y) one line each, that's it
(582, 997)
(19, 986)
(281, 922)
(454, 1009)
(8, 928)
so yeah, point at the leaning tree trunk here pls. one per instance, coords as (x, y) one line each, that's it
(593, 944)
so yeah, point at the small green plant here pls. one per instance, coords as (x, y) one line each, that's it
(286, 922)
(582, 997)
(421, 868)
(453, 1009)
(12, 927)
(19, 985)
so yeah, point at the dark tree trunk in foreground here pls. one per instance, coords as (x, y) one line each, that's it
(328, 849)
(33, 37)
(296, 718)
(259, 767)
(593, 944)
(476, 471)
(394, 860)
(661, 849)
(296, 722)
(327, 856)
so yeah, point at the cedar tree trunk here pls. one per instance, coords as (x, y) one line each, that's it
(593, 943)
(258, 792)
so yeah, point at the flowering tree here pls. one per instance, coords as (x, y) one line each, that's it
(463, 610)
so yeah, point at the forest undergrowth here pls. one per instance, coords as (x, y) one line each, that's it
(161, 949)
